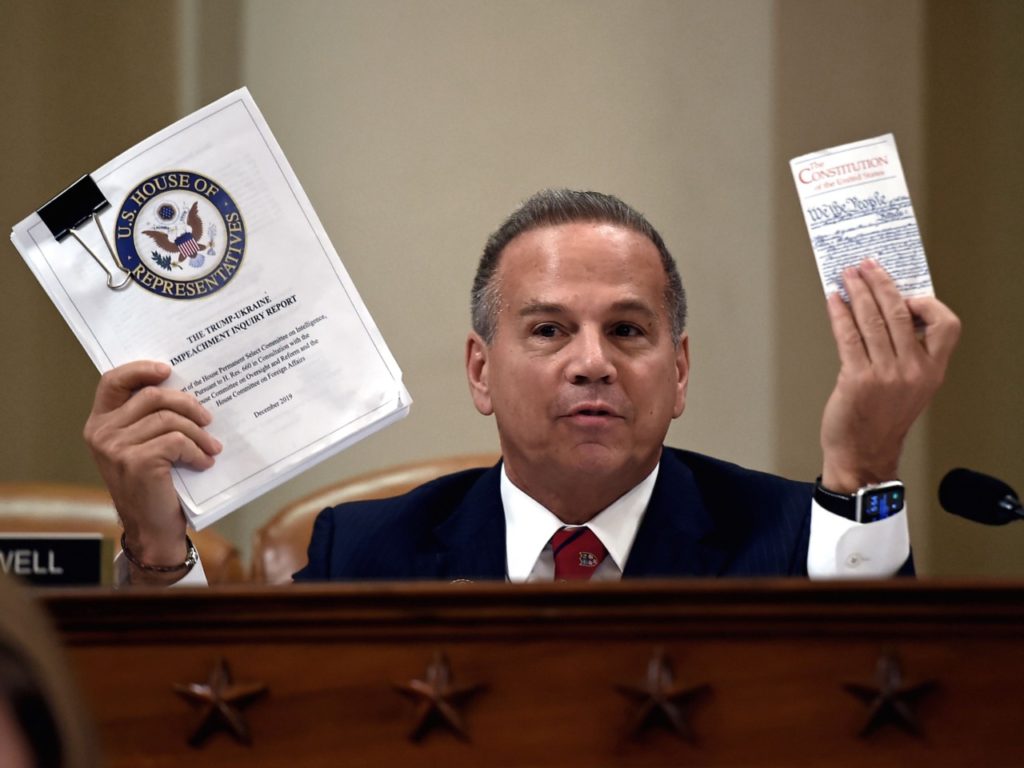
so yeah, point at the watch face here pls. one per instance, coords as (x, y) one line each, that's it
(881, 502)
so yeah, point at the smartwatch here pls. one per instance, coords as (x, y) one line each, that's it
(868, 505)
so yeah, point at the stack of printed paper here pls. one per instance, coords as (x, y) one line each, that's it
(231, 279)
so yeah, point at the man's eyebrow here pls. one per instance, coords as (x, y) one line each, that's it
(553, 308)
(542, 308)
(635, 305)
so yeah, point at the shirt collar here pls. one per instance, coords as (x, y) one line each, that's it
(529, 525)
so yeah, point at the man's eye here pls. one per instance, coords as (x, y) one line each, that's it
(547, 330)
(626, 330)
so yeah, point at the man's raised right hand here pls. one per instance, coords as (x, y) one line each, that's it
(136, 432)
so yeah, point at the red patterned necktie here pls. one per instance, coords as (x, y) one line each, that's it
(577, 552)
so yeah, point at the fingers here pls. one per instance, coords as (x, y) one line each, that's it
(176, 447)
(884, 319)
(844, 331)
(154, 427)
(150, 399)
(895, 326)
(869, 319)
(941, 327)
(118, 384)
(135, 424)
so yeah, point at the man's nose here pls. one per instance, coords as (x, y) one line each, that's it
(590, 358)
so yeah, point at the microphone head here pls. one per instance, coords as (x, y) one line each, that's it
(979, 497)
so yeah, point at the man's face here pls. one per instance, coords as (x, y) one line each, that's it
(582, 375)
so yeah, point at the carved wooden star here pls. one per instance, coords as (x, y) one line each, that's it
(890, 701)
(220, 701)
(659, 699)
(438, 698)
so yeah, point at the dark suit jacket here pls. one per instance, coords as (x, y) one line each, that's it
(706, 518)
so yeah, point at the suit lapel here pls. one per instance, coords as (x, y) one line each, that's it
(674, 538)
(471, 541)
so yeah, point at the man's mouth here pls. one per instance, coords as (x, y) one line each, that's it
(592, 412)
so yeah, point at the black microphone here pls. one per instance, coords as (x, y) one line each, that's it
(979, 497)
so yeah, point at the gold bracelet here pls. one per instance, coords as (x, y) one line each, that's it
(191, 558)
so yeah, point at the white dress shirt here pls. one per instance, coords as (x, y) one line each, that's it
(529, 527)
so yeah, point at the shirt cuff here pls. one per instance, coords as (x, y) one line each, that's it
(845, 549)
(196, 577)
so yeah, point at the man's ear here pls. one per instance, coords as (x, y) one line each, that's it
(682, 374)
(477, 373)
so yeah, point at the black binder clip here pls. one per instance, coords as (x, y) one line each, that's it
(72, 208)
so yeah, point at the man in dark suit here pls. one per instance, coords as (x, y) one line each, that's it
(705, 518)
(579, 351)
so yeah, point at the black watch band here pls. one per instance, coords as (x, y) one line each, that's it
(841, 504)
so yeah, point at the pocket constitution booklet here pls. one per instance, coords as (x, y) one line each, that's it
(198, 247)
(856, 204)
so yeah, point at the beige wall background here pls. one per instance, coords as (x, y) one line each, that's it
(416, 126)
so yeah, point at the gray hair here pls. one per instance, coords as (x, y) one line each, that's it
(552, 207)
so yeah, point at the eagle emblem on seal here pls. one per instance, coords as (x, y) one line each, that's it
(186, 245)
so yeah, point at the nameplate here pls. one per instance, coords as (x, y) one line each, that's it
(62, 559)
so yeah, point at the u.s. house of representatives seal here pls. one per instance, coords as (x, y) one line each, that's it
(180, 235)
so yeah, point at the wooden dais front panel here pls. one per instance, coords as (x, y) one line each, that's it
(632, 674)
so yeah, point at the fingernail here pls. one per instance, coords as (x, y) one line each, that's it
(163, 369)
(207, 416)
(871, 264)
(218, 446)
